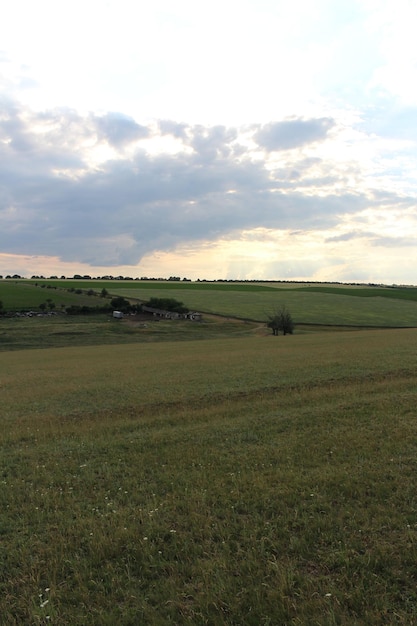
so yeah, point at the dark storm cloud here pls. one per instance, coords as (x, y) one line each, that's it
(53, 202)
(293, 133)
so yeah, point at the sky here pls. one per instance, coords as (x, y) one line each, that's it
(246, 140)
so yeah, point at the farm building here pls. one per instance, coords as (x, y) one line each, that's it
(194, 315)
(171, 315)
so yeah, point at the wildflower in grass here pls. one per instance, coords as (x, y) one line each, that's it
(42, 602)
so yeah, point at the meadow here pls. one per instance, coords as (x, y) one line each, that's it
(309, 304)
(46, 331)
(306, 307)
(209, 473)
(242, 481)
(29, 295)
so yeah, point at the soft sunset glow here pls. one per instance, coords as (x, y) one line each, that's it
(250, 140)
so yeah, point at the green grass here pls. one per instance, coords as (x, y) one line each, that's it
(100, 329)
(361, 291)
(20, 295)
(397, 293)
(340, 305)
(305, 307)
(244, 481)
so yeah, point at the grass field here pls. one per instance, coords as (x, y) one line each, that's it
(241, 481)
(18, 295)
(309, 304)
(100, 329)
(306, 307)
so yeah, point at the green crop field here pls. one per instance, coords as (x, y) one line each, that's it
(340, 305)
(18, 295)
(238, 481)
(306, 307)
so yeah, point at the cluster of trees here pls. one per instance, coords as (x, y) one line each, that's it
(78, 309)
(121, 304)
(167, 304)
(49, 304)
(281, 321)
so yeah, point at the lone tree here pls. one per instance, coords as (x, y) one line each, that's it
(281, 320)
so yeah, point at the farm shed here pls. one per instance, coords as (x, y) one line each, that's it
(171, 315)
(193, 315)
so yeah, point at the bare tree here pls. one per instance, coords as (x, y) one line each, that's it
(281, 321)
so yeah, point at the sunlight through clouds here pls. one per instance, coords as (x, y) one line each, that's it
(268, 140)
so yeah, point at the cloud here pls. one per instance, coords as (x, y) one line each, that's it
(395, 242)
(348, 236)
(293, 133)
(169, 127)
(119, 129)
(60, 196)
